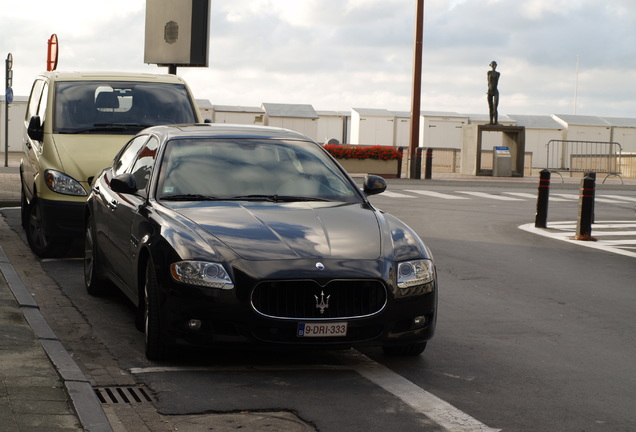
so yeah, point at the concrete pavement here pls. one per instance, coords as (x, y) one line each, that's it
(43, 389)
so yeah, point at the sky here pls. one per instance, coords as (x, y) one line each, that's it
(554, 56)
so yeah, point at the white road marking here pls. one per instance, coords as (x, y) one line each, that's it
(436, 409)
(436, 194)
(533, 196)
(396, 195)
(489, 196)
(621, 197)
(596, 198)
(565, 231)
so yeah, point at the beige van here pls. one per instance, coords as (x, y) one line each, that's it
(74, 126)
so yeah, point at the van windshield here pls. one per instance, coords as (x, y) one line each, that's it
(119, 107)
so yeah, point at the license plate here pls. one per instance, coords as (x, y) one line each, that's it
(322, 329)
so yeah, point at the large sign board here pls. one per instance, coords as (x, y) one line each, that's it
(177, 32)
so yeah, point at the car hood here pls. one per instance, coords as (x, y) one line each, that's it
(267, 231)
(83, 156)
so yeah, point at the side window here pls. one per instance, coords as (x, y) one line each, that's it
(146, 160)
(43, 103)
(34, 99)
(128, 154)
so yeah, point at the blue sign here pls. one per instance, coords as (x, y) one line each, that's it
(9, 95)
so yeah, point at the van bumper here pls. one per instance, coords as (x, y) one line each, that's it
(62, 218)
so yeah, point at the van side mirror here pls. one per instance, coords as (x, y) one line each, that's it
(35, 129)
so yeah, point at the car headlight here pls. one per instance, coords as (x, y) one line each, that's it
(415, 277)
(206, 274)
(61, 183)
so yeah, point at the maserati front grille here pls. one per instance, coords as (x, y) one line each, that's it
(307, 300)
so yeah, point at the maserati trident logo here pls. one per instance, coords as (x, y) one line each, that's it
(322, 303)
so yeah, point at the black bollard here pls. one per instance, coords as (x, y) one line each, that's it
(400, 159)
(586, 210)
(418, 163)
(428, 172)
(543, 197)
(593, 176)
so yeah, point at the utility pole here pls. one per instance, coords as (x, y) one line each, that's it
(417, 86)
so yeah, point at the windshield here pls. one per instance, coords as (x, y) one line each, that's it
(119, 107)
(251, 169)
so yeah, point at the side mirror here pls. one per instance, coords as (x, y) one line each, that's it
(374, 185)
(124, 183)
(35, 129)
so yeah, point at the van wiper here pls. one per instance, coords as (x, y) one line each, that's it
(107, 127)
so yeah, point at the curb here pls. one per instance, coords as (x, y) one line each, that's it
(81, 394)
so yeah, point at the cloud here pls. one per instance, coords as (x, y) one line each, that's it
(335, 54)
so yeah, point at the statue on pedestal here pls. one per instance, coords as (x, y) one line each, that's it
(493, 92)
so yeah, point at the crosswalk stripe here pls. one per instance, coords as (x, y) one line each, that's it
(533, 196)
(436, 194)
(396, 195)
(597, 199)
(518, 196)
(489, 196)
(620, 197)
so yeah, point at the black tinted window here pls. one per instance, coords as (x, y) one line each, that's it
(92, 106)
(235, 168)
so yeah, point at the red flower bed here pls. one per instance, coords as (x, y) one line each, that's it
(362, 152)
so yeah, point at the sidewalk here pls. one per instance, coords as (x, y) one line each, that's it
(41, 387)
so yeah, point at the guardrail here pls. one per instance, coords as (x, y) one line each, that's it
(583, 157)
(448, 160)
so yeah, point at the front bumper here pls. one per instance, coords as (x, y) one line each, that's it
(225, 320)
(62, 218)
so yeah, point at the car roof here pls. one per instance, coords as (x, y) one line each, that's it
(224, 130)
(111, 76)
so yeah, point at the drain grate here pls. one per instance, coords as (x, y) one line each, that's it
(122, 395)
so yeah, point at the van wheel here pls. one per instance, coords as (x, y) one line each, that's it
(41, 243)
(24, 215)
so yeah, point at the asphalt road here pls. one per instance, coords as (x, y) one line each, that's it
(534, 334)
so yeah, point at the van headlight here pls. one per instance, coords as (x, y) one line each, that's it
(201, 273)
(415, 277)
(63, 184)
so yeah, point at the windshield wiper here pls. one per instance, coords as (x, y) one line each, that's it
(277, 198)
(190, 197)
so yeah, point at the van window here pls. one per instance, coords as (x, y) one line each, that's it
(34, 99)
(119, 107)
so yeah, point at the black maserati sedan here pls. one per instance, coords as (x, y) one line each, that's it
(247, 236)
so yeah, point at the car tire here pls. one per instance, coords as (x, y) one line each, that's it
(41, 242)
(155, 348)
(405, 350)
(95, 284)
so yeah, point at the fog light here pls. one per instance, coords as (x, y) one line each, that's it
(419, 321)
(194, 324)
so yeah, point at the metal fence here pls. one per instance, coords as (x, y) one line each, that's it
(583, 157)
(448, 160)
